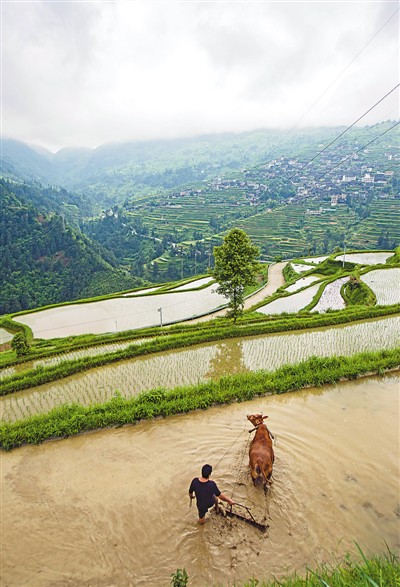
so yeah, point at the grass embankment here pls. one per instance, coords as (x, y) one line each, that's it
(356, 292)
(372, 571)
(74, 418)
(190, 336)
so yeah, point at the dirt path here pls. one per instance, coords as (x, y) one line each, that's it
(275, 280)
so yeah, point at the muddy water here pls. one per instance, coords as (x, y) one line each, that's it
(111, 508)
(203, 362)
(5, 336)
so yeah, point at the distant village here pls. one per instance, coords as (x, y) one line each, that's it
(332, 180)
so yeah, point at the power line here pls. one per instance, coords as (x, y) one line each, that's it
(330, 85)
(358, 150)
(347, 66)
(342, 133)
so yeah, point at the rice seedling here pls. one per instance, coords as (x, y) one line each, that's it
(179, 337)
(331, 298)
(290, 304)
(385, 285)
(202, 363)
(73, 418)
(372, 258)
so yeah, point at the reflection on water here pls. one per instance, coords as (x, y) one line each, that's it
(228, 359)
(111, 507)
(208, 361)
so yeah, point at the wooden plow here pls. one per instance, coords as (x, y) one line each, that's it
(248, 517)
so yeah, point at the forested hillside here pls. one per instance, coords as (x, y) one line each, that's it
(157, 209)
(111, 173)
(43, 259)
(287, 207)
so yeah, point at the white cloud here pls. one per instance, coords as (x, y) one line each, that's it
(90, 73)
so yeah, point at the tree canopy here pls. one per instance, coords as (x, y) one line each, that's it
(235, 268)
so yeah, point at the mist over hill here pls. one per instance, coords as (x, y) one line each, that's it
(83, 222)
(111, 173)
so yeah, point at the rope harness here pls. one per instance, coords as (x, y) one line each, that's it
(269, 431)
(250, 519)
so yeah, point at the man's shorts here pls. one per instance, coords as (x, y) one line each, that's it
(204, 510)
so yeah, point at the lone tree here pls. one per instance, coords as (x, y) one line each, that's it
(235, 267)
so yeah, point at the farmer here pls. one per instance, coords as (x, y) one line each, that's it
(207, 493)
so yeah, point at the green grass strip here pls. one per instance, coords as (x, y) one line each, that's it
(72, 419)
(168, 341)
(372, 571)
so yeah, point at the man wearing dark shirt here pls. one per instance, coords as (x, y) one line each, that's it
(206, 492)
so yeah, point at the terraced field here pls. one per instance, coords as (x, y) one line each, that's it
(123, 313)
(280, 230)
(203, 362)
(186, 213)
(365, 258)
(385, 284)
(384, 217)
(288, 231)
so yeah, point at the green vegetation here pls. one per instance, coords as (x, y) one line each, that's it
(167, 205)
(43, 261)
(235, 268)
(73, 419)
(290, 274)
(356, 292)
(20, 344)
(184, 336)
(179, 578)
(395, 259)
(370, 571)
(167, 211)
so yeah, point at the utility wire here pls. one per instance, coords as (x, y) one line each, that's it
(358, 150)
(347, 66)
(342, 133)
(330, 85)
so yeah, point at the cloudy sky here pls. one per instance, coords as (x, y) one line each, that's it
(85, 73)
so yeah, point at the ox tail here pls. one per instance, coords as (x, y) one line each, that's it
(261, 473)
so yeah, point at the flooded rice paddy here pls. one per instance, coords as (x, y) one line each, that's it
(385, 283)
(92, 351)
(122, 313)
(194, 284)
(291, 304)
(331, 297)
(302, 282)
(111, 508)
(365, 258)
(300, 268)
(315, 260)
(200, 363)
(5, 336)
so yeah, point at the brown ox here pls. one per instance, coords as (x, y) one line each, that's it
(261, 453)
